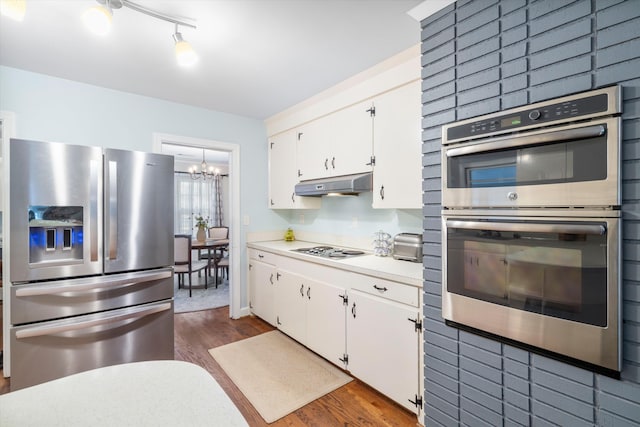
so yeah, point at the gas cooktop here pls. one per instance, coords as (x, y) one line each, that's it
(329, 252)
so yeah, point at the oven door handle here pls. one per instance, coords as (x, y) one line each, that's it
(595, 229)
(536, 138)
(91, 285)
(135, 313)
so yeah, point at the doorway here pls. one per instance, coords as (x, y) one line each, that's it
(160, 141)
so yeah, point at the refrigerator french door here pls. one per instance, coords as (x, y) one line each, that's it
(91, 256)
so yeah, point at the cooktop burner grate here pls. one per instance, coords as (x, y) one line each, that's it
(329, 252)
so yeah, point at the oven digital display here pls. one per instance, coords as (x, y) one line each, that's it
(510, 121)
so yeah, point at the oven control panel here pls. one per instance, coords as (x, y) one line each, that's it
(563, 110)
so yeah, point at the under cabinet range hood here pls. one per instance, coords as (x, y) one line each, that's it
(336, 185)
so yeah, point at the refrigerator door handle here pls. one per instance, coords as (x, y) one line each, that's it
(94, 183)
(92, 285)
(135, 313)
(112, 211)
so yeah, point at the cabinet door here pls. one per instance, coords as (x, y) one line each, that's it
(312, 158)
(262, 285)
(283, 174)
(291, 310)
(383, 347)
(352, 143)
(326, 323)
(337, 144)
(397, 147)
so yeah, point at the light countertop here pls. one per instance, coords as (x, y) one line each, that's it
(388, 268)
(155, 393)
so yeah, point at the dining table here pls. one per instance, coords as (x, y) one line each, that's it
(211, 246)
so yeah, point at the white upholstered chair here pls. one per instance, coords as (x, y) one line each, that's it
(183, 262)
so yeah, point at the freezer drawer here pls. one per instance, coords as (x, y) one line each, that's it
(64, 298)
(49, 350)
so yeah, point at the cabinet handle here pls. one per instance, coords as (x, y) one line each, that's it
(271, 278)
(378, 288)
(293, 197)
(272, 202)
(333, 163)
(382, 192)
(299, 173)
(326, 163)
(302, 290)
(353, 310)
(260, 256)
(278, 320)
(309, 292)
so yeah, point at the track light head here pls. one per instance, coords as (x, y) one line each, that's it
(14, 9)
(98, 18)
(185, 55)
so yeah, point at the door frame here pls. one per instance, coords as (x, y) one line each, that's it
(234, 202)
(7, 120)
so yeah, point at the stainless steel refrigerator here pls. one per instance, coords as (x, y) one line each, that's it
(91, 259)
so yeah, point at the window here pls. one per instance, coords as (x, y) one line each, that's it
(196, 198)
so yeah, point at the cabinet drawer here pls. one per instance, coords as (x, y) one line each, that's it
(405, 294)
(263, 256)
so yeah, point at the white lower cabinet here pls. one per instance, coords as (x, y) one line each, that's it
(291, 305)
(383, 346)
(262, 287)
(326, 334)
(313, 313)
(366, 325)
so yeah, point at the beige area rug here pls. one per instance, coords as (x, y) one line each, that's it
(277, 374)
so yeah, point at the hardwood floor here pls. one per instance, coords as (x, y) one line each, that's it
(354, 404)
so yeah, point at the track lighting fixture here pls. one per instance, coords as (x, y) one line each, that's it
(98, 20)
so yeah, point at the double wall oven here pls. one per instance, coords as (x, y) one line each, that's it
(531, 227)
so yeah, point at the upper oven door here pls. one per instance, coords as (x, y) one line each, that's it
(574, 165)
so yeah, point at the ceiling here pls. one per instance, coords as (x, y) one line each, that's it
(257, 57)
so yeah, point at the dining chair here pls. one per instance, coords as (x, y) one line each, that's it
(216, 233)
(183, 262)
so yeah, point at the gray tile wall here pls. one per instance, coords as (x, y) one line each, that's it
(481, 56)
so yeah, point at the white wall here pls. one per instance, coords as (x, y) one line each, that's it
(52, 109)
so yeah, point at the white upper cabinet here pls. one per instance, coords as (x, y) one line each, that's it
(283, 174)
(397, 148)
(337, 144)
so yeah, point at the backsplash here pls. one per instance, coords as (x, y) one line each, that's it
(353, 216)
(481, 56)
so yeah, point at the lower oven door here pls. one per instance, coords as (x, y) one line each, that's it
(48, 350)
(548, 282)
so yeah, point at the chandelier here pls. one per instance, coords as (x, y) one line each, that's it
(204, 172)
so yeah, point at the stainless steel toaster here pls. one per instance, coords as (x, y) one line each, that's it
(408, 247)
